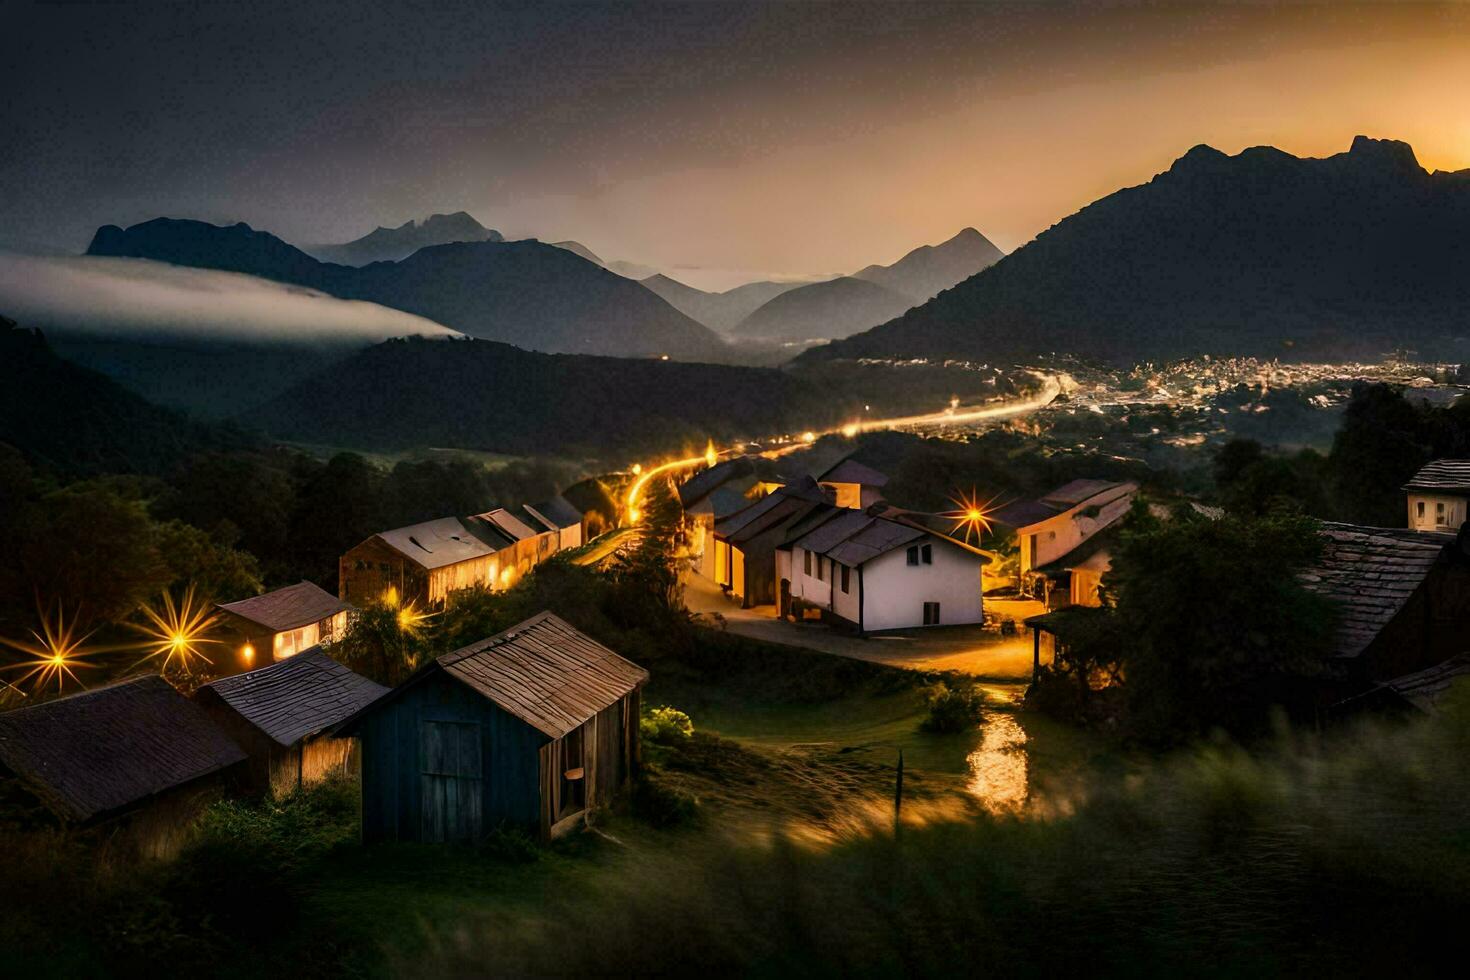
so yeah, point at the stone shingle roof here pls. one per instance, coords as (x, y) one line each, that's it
(1370, 573)
(105, 750)
(1444, 475)
(299, 696)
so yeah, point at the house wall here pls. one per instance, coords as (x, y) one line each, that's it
(1455, 512)
(571, 537)
(608, 760)
(815, 588)
(1428, 630)
(1051, 539)
(509, 786)
(367, 570)
(477, 573)
(722, 561)
(894, 592)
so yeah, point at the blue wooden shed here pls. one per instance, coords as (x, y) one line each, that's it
(528, 729)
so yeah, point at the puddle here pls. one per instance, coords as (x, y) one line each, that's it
(999, 768)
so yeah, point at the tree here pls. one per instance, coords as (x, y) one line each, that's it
(1217, 625)
(386, 643)
(217, 571)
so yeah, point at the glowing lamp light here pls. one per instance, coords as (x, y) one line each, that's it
(808, 437)
(635, 515)
(177, 630)
(637, 468)
(390, 597)
(710, 456)
(247, 653)
(850, 429)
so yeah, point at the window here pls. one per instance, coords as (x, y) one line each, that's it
(913, 554)
(928, 553)
(1419, 509)
(845, 572)
(931, 614)
(1439, 513)
(821, 569)
(806, 560)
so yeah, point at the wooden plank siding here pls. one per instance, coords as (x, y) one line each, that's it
(393, 767)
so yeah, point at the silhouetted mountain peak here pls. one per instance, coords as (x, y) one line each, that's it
(1387, 155)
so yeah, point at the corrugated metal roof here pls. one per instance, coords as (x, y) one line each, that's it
(559, 511)
(1370, 573)
(851, 471)
(437, 543)
(508, 524)
(1446, 475)
(1071, 494)
(106, 749)
(285, 609)
(299, 696)
(545, 672)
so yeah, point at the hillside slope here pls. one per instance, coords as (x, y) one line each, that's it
(482, 395)
(525, 293)
(819, 310)
(1260, 253)
(80, 423)
(930, 269)
(718, 311)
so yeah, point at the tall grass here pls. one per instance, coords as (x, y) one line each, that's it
(1348, 856)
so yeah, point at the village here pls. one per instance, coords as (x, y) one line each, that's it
(537, 726)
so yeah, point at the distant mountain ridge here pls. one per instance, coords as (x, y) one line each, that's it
(392, 244)
(930, 269)
(491, 396)
(823, 310)
(525, 293)
(718, 311)
(628, 270)
(1259, 253)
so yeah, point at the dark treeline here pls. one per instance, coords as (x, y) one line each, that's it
(229, 523)
(1385, 437)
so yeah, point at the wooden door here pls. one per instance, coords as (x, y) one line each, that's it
(451, 778)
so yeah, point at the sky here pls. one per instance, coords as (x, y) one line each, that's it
(719, 142)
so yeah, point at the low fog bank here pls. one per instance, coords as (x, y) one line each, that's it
(143, 299)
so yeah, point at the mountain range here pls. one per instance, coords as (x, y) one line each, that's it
(838, 307)
(526, 293)
(392, 244)
(628, 270)
(1260, 253)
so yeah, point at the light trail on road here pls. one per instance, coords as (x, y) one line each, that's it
(1051, 387)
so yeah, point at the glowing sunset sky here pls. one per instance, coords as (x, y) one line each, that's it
(741, 139)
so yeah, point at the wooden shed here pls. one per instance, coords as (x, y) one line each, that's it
(270, 627)
(282, 715)
(528, 729)
(135, 756)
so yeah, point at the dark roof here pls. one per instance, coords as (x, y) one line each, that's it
(879, 538)
(1448, 475)
(1370, 573)
(297, 697)
(559, 511)
(1069, 621)
(545, 672)
(1074, 493)
(707, 480)
(1024, 513)
(726, 500)
(104, 750)
(831, 533)
(286, 609)
(804, 490)
(1426, 689)
(851, 471)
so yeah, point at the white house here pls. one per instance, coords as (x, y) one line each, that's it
(1438, 496)
(874, 572)
(1054, 526)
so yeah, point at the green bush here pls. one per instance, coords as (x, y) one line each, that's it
(955, 706)
(665, 726)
